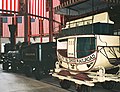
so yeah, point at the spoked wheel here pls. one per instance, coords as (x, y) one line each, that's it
(83, 88)
(108, 85)
(65, 84)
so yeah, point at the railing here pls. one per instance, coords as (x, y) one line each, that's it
(112, 53)
(78, 23)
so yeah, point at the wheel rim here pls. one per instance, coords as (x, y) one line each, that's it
(108, 85)
(5, 66)
(83, 88)
(13, 67)
(28, 71)
(65, 84)
(38, 74)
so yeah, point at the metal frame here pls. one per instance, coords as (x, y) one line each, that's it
(98, 76)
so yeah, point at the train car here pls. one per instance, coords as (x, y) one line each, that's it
(87, 55)
(38, 58)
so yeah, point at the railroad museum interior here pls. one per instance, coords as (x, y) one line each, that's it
(74, 41)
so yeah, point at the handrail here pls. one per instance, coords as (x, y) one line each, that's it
(76, 23)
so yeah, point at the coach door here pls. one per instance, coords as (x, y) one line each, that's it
(71, 47)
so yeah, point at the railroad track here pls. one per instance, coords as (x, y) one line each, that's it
(55, 82)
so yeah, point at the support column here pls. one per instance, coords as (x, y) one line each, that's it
(26, 21)
(29, 29)
(1, 28)
(24, 11)
(41, 29)
(50, 20)
(0, 32)
(62, 25)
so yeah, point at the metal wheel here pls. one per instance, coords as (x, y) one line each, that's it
(65, 84)
(108, 85)
(83, 88)
(28, 71)
(38, 74)
(5, 66)
(13, 67)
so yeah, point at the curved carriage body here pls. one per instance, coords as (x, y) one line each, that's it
(82, 53)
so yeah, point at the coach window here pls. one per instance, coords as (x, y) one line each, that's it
(85, 46)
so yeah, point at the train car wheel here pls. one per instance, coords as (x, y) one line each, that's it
(5, 66)
(13, 67)
(38, 74)
(83, 88)
(108, 85)
(65, 84)
(28, 71)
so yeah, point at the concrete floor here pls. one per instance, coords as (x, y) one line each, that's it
(10, 82)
